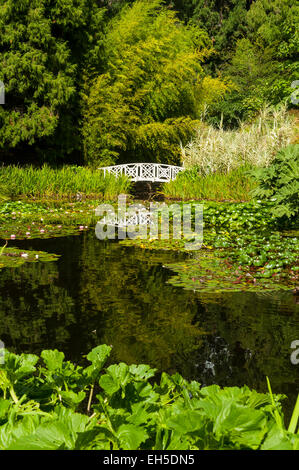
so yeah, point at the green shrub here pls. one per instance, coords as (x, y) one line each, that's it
(51, 404)
(280, 182)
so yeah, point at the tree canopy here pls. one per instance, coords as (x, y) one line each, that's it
(153, 87)
(106, 80)
(43, 44)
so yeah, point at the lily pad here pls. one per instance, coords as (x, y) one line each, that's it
(14, 257)
(207, 272)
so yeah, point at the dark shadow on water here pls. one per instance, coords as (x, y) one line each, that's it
(102, 292)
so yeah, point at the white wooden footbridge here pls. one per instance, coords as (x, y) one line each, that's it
(155, 172)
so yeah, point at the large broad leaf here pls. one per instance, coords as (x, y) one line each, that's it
(94, 439)
(116, 378)
(142, 371)
(72, 399)
(12, 431)
(246, 427)
(277, 439)
(185, 421)
(97, 357)
(4, 406)
(216, 407)
(142, 412)
(177, 442)
(19, 366)
(53, 359)
(175, 381)
(130, 437)
(49, 436)
(59, 433)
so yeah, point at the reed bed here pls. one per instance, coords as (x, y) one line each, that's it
(191, 185)
(67, 182)
(255, 144)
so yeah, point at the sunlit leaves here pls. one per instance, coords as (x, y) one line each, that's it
(281, 183)
(131, 413)
(150, 91)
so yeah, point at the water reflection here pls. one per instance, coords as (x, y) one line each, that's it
(102, 292)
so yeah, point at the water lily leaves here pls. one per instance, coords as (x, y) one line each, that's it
(207, 272)
(156, 244)
(14, 257)
(24, 220)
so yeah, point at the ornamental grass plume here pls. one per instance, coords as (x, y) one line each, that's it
(252, 144)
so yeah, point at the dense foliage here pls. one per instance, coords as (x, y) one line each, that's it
(42, 407)
(280, 181)
(101, 81)
(72, 182)
(256, 45)
(132, 77)
(235, 185)
(43, 46)
(152, 90)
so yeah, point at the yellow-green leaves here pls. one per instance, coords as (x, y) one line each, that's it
(131, 410)
(149, 92)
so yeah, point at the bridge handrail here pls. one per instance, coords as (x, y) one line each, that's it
(139, 164)
(145, 171)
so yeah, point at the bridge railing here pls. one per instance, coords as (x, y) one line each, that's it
(145, 171)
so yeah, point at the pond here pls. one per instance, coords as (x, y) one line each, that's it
(104, 292)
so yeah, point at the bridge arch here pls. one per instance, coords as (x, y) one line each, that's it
(154, 172)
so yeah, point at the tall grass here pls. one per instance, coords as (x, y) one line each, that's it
(190, 185)
(253, 144)
(67, 182)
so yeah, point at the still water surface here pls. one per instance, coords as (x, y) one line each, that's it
(103, 292)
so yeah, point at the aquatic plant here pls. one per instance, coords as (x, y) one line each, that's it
(20, 219)
(14, 257)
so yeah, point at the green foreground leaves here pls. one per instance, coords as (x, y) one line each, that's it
(42, 406)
